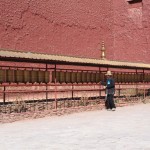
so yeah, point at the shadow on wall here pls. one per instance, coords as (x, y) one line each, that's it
(134, 1)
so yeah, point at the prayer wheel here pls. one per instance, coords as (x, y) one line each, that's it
(102, 77)
(41, 76)
(57, 76)
(97, 77)
(2, 75)
(68, 77)
(93, 77)
(132, 78)
(146, 77)
(19, 76)
(73, 77)
(115, 77)
(122, 77)
(88, 77)
(79, 77)
(34, 76)
(119, 78)
(62, 76)
(126, 77)
(47, 76)
(84, 77)
(9, 75)
(27, 76)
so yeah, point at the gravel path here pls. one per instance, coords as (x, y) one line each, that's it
(128, 128)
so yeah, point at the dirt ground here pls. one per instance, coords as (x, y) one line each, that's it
(128, 128)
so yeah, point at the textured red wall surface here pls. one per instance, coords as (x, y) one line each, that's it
(131, 31)
(77, 28)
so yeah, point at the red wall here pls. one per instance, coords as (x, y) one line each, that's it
(76, 28)
(131, 31)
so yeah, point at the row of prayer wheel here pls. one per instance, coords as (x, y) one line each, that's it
(77, 77)
(39, 76)
(130, 77)
(23, 76)
(90, 77)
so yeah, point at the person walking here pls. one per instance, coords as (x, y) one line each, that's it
(110, 91)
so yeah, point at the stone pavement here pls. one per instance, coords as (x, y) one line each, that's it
(127, 128)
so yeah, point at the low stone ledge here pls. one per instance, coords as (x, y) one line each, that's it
(12, 117)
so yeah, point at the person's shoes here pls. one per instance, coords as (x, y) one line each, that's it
(113, 109)
(108, 109)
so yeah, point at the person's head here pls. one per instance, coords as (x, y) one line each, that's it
(108, 74)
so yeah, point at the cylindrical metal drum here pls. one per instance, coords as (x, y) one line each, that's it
(10, 75)
(88, 77)
(47, 76)
(34, 76)
(27, 76)
(68, 77)
(98, 77)
(129, 78)
(73, 77)
(62, 76)
(84, 77)
(55, 76)
(115, 77)
(41, 76)
(119, 78)
(79, 77)
(2, 76)
(132, 78)
(19, 76)
(102, 76)
(93, 77)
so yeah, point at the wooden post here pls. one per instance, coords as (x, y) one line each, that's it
(72, 90)
(136, 83)
(55, 90)
(144, 83)
(99, 83)
(46, 91)
(4, 95)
